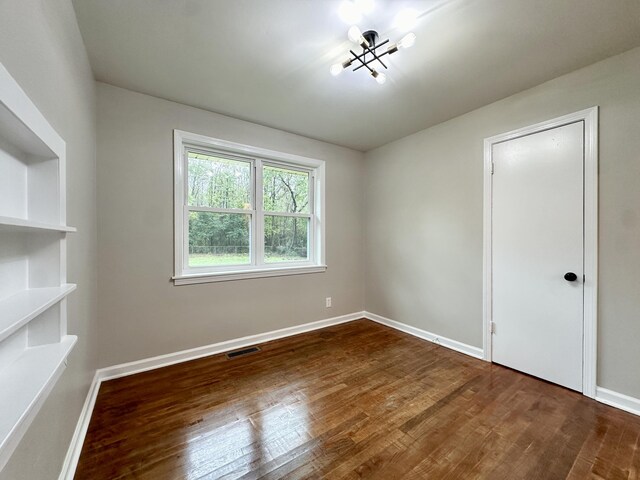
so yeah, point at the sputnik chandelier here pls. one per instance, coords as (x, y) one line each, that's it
(352, 12)
(371, 57)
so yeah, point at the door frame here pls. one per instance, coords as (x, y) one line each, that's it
(590, 299)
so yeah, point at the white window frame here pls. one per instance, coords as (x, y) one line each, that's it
(257, 157)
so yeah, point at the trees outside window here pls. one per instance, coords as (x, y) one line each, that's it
(243, 212)
(287, 218)
(219, 191)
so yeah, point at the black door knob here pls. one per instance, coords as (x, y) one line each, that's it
(570, 277)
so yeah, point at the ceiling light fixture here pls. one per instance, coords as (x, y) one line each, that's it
(370, 53)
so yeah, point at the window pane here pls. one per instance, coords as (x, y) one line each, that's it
(285, 191)
(219, 182)
(219, 239)
(286, 239)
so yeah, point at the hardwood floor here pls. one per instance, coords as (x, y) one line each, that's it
(357, 400)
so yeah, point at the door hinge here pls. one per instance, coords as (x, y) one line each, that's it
(492, 327)
(493, 167)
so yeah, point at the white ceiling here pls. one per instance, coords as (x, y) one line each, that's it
(267, 61)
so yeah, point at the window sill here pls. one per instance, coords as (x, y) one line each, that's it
(192, 278)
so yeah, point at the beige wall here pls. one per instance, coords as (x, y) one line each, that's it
(40, 45)
(423, 214)
(141, 312)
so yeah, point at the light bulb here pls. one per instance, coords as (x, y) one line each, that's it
(336, 69)
(380, 77)
(406, 19)
(349, 13)
(354, 34)
(408, 40)
(365, 6)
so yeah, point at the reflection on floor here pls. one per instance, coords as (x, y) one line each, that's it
(352, 401)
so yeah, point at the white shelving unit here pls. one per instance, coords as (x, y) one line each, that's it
(10, 224)
(34, 344)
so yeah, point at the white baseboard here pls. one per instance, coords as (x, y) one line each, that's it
(152, 363)
(75, 448)
(116, 371)
(432, 337)
(618, 400)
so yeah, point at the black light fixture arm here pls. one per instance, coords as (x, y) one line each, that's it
(363, 63)
(376, 56)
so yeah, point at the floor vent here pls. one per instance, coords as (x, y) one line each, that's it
(244, 351)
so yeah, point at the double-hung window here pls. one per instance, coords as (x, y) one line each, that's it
(243, 212)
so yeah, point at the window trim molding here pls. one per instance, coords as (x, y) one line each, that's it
(185, 276)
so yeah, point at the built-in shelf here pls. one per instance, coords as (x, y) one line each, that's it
(12, 224)
(34, 344)
(41, 366)
(17, 136)
(20, 308)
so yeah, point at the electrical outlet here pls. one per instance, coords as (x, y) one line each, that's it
(328, 302)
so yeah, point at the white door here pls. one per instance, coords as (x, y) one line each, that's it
(538, 249)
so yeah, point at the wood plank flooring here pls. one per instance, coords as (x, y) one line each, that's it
(357, 400)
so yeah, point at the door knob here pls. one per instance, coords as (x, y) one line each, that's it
(570, 277)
